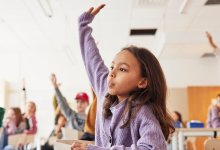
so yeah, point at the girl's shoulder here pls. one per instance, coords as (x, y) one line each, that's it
(145, 113)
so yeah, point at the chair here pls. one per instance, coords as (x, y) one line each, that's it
(70, 134)
(191, 141)
(212, 144)
(17, 139)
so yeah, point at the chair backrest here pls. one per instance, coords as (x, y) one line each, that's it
(70, 134)
(17, 139)
(212, 144)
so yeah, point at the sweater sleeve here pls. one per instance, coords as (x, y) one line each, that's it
(33, 128)
(95, 67)
(215, 118)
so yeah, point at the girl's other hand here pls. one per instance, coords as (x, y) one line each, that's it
(96, 10)
(79, 146)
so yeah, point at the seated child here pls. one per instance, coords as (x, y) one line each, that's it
(30, 118)
(13, 124)
(55, 134)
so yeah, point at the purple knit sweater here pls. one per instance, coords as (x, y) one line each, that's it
(144, 131)
(213, 117)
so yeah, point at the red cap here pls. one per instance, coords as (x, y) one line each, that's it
(82, 96)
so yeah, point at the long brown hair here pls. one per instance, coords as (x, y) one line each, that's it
(18, 115)
(154, 95)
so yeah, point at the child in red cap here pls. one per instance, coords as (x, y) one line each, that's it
(82, 102)
(75, 120)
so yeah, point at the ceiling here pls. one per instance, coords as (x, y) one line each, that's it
(27, 31)
(24, 26)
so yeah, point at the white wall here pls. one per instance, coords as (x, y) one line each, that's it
(181, 73)
(177, 101)
(188, 72)
(36, 68)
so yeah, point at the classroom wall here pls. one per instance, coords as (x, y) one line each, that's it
(36, 67)
(190, 72)
(177, 101)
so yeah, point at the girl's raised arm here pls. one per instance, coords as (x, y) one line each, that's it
(95, 67)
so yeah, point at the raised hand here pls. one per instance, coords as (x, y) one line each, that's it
(208, 35)
(211, 42)
(54, 80)
(96, 10)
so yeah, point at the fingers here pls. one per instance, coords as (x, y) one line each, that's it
(78, 146)
(53, 76)
(90, 10)
(207, 33)
(96, 10)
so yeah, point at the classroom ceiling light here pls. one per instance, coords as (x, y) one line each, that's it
(208, 55)
(183, 6)
(212, 2)
(46, 7)
(147, 3)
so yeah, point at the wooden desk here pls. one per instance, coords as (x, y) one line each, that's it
(66, 144)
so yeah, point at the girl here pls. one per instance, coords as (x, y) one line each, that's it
(13, 124)
(31, 118)
(131, 97)
(177, 117)
(76, 120)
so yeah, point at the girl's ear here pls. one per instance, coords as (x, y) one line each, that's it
(143, 83)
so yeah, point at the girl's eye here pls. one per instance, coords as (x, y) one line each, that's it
(111, 68)
(122, 69)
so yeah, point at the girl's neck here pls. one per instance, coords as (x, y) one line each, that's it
(121, 98)
(30, 114)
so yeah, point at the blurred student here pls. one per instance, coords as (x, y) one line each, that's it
(89, 129)
(76, 119)
(213, 119)
(13, 124)
(216, 49)
(30, 118)
(177, 117)
(55, 134)
(57, 110)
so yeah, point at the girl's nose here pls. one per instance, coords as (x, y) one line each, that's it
(112, 75)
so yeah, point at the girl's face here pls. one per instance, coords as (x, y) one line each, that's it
(61, 121)
(124, 76)
(81, 106)
(175, 116)
(11, 114)
(30, 108)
